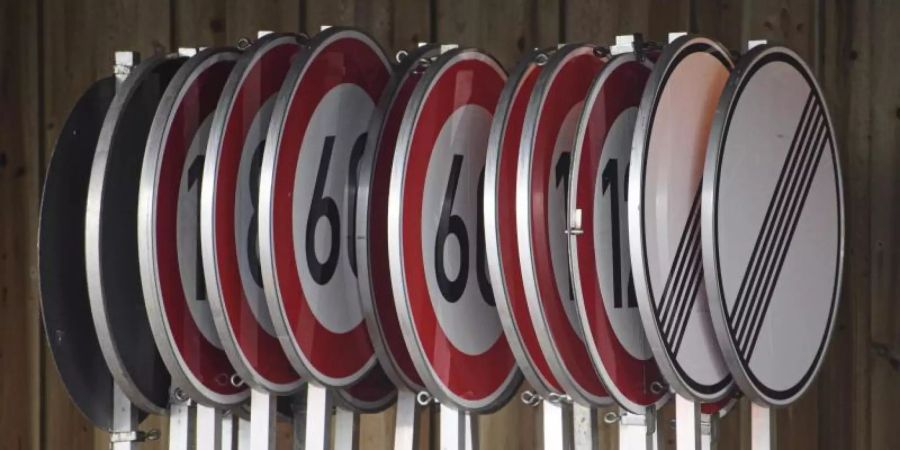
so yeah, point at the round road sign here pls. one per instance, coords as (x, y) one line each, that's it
(501, 246)
(436, 235)
(601, 266)
(65, 306)
(228, 215)
(773, 225)
(669, 148)
(542, 185)
(169, 232)
(111, 238)
(307, 205)
(377, 297)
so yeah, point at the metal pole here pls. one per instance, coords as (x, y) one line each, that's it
(123, 435)
(209, 428)
(553, 414)
(687, 424)
(179, 423)
(762, 428)
(406, 426)
(346, 429)
(318, 417)
(638, 431)
(227, 430)
(262, 420)
(584, 427)
(244, 434)
(709, 432)
(459, 430)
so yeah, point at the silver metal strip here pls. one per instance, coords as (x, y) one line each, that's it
(262, 420)
(209, 428)
(638, 431)
(687, 424)
(227, 430)
(459, 429)
(318, 417)
(123, 435)
(553, 415)
(406, 427)
(244, 435)
(762, 428)
(584, 427)
(346, 429)
(179, 425)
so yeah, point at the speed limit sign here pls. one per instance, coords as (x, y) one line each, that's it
(436, 234)
(500, 224)
(601, 266)
(310, 168)
(169, 237)
(542, 187)
(229, 212)
(372, 221)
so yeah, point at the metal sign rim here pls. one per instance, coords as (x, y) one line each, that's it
(93, 231)
(383, 353)
(665, 65)
(731, 94)
(182, 375)
(271, 284)
(525, 233)
(208, 229)
(398, 272)
(605, 377)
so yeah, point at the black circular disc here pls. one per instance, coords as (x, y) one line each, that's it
(65, 306)
(111, 238)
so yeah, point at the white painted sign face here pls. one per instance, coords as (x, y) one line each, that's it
(310, 171)
(436, 234)
(229, 208)
(603, 283)
(542, 194)
(670, 139)
(773, 225)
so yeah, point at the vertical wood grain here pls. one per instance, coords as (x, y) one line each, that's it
(20, 337)
(199, 23)
(245, 18)
(601, 22)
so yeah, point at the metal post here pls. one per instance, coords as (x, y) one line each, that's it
(638, 431)
(687, 424)
(346, 429)
(459, 430)
(227, 431)
(406, 426)
(209, 428)
(123, 435)
(762, 428)
(179, 422)
(262, 420)
(318, 417)
(584, 427)
(553, 414)
(709, 431)
(244, 434)
(298, 421)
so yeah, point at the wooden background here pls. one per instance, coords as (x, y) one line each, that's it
(53, 49)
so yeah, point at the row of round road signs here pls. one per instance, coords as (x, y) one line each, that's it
(613, 226)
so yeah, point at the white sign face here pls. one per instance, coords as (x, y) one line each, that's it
(329, 159)
(246, 230)
(670, 143)
(452, 234)
(775, 219)
(188, 235)
(611, 237)
(558, 188)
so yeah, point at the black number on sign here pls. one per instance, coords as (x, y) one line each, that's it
(610, 182)
(253, 231)
(195, 180)
(356, 154)
(326, 207)
(562, 176)
(484, 283)
(452, 224)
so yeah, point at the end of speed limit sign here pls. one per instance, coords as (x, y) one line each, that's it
(601, 266)
(436, 234)
(668, 151)
(169, 231)
(307, 211)
(542, 187)
(229, 215)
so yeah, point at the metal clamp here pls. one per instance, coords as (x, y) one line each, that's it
(575, 227)
(531, 398)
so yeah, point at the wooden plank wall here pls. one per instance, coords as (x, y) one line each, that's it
(53, 49)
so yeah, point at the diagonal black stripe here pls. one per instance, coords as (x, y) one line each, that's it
(691, 269)
(693, 287)
(776, 227)
(676, 271)
(821, 143)
(673, 295)
(736, 317)
(771, 257)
